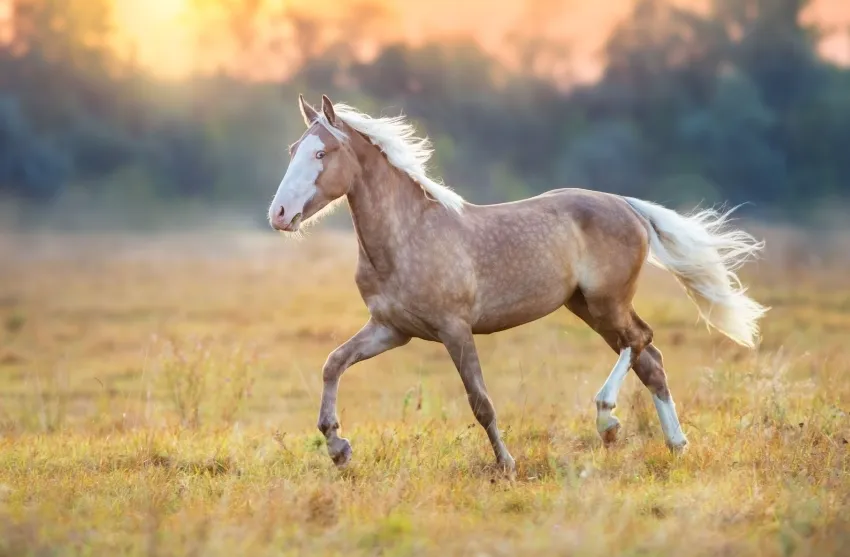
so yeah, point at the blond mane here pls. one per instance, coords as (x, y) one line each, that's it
(397, 139)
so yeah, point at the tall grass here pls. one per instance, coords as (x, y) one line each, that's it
(158, 396)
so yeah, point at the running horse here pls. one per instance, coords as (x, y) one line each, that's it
(435, 267)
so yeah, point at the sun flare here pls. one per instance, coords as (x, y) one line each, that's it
(159, 33)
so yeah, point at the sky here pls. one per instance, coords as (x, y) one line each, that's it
(163, 31)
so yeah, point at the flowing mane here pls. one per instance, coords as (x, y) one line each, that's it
(397, 139)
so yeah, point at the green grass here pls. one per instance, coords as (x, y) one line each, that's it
(158, 396)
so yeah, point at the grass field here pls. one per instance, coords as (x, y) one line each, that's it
(158, 396)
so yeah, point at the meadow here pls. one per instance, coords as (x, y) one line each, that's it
(159, 394)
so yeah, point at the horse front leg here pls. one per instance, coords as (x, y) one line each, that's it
(373, 339)
(461, 346)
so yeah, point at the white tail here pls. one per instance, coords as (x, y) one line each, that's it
(704, 255)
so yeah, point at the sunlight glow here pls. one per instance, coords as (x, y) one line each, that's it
(164, 34)
(159, 33)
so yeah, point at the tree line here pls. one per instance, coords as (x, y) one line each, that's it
(731, 104)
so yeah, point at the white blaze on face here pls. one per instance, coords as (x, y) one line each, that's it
(299, 183)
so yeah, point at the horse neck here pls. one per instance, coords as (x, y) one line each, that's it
(385, 206)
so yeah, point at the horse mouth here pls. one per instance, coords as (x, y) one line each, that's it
(294, 224)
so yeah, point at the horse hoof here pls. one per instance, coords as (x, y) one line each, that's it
(503, 469)
(508, 466)
(340, 451)
(678, 448)
(611, 433)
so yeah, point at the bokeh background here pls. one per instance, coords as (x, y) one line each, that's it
(161, 347)
(151, 113)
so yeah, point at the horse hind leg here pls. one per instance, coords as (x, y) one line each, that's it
(649, 367)
(650, 370)
(634, 344)
(628, 335)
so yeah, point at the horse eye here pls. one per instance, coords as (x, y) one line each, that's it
(320, 155)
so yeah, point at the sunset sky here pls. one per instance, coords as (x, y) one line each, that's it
(163, 31)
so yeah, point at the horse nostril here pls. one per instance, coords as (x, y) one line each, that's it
(280, 212)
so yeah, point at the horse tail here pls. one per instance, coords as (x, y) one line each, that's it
(703, 254)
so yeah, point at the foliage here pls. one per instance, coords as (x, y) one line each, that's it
(29, 165)
(733, 103)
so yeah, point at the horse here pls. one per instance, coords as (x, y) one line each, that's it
(436, 267)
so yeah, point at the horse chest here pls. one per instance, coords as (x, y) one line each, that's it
(409, 318)
(413, 307)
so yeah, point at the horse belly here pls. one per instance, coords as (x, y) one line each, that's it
(518, 306)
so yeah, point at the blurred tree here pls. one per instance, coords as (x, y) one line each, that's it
(818, 135)
(73, 33)
(29, 166)
(281, 38)
(58, 67)
(607, 157)
(729, 96)
(58, 58)
(728, 103)
(771, 44)
(729, 139)
(540, 50)
(184, 160)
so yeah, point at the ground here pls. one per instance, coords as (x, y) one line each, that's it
(159, 395)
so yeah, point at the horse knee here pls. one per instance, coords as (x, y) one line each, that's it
(334, 366)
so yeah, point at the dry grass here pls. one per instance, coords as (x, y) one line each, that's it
(159, 396)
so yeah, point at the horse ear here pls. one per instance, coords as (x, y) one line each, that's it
(328, 110)
(308, 112)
